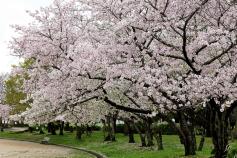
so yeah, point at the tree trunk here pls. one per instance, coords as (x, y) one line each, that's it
(131, 136)
(67, 126)
(219, 130)
(149, 135)
(49, 127)
(113, 130)
(71, 129)
(104, 128)
(88, 130)
(53, 129)
(130, 131)
(110, 128)
(158, 136)
(30, 129)
(61, 127)
(141, 134)
(79, 132)
(1, 125)
(201, 144)
(189, 146)
(193, 135)
(143, 139)
(220, 138)
(41, 129)
(188, 139)
(125, 130)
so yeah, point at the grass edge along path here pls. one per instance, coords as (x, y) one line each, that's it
(119, 149)
(90, 152)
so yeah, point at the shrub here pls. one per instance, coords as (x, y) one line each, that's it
(232, 153)
(167, 129)
(96, 128)
(120, 128)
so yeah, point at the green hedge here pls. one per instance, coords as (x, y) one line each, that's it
(167, 129)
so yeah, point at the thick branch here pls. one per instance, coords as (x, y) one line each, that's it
(220, 55)
(127, 109)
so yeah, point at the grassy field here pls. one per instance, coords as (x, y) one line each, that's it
(80, 154)
(118, 149)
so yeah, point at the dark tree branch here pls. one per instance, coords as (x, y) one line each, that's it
(220, 55)
(127, 109)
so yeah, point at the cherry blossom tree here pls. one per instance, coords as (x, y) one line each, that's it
(2, 78)
(64, 78)
(164, 56)
(179, 54)
(4, 109)
(4, 115)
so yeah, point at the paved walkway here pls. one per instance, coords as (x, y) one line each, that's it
(17, 129)
(20, 149)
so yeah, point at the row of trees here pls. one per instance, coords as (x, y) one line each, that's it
(11, 94)
(136, 60)
(4, 109)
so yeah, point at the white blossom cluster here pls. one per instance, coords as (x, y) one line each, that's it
(166, 55)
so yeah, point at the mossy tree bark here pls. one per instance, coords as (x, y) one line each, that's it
(130, 130)
(219, 129)
(201, 143)
(61, 127)
(79, 132)
(188, 139)
(110, 127)
(138, 127)
(1, 125)
(157, 132)
(53, 129)
(49, 127)
(148, 130)
(41, 129)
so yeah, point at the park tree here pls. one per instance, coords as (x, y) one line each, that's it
(167, 57)
(4, 109)
(4, 115)
(179, 54)
(14, 94)
(2, 79)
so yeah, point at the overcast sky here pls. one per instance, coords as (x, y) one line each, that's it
(14, 12)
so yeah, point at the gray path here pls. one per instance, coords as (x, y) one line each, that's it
(20, 149)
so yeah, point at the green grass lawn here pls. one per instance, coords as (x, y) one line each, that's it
(120, 148)
(80, 154)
